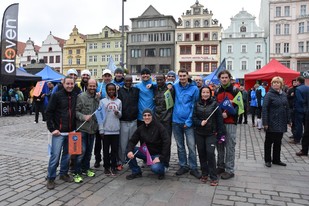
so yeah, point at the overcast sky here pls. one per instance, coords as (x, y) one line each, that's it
(38, 17)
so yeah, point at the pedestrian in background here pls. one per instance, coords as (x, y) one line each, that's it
(275, 114)
(253, 104)
(243, 116)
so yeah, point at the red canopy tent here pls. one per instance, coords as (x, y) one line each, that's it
(270, 70)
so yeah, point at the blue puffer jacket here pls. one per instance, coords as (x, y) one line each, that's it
(185, 98)
(145, 98)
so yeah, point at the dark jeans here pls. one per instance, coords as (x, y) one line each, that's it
(110, 142)
(39, 107)
(272, 139)
(169, 129)
(98, 147)
(259, 112)
(253, 113)
(299, 123)
(305, 140)
(206, 146)
(14, 108)
(243, 116)
(292, 115)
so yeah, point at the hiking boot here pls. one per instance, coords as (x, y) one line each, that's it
(226, 175)
(96, 164)
(89, 173)
(195, 173)
(77, 178)
(133, 176)
(182, 170)
(220, 170)
(50, 184)
(66, 178)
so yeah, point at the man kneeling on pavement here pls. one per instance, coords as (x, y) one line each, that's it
(155, 137)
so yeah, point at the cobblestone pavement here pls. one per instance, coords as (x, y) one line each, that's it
(23, 167)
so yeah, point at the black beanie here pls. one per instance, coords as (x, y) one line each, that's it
(147, 110)
(118, 70)
(145, 71)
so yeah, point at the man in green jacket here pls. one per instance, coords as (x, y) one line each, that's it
(86, 105)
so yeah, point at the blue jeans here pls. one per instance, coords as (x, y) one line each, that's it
(59, 143)
(179, 132)
(299, 123)
(157, 168)
(82, 162)
(226, 150)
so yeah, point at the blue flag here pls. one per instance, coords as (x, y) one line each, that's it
(227, 105)
(111, 64)
(100, 115)
(212, 78)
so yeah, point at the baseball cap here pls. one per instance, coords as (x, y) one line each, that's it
(107, 71)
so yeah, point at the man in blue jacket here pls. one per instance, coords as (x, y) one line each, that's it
(186, 94)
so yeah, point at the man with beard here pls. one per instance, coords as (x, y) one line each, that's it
(85, 76)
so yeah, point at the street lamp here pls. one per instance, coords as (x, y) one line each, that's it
(122, 36)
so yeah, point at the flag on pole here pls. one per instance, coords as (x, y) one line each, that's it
(168, 99)
(227, 105)
(9, 40)
(111, 64)
(213, 77)
(100, 114)
(143, 149)
(239, 101)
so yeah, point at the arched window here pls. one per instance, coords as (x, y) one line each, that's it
(50, 49)
(196, 23)
(206, 22)
(243, 29)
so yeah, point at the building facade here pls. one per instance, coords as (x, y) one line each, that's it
(102, 46)
(29, 53)
(151, 42)
(289, 33)
(198, 35)
(51, 52)
(74, 52)
(243, 46)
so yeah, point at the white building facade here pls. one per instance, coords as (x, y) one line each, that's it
(243, 45)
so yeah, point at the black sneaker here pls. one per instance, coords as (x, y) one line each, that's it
(226, 175)
(96, 164)
(161, 177)
(220, 170)
(107, 171)
(50, 184)
(66, 178)
(196, 173)
(133, 176)
(182, 171)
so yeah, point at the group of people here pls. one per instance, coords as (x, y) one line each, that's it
(140, 113)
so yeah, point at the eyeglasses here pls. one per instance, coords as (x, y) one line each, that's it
(146, 115)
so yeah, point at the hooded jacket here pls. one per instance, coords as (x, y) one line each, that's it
(145, 98)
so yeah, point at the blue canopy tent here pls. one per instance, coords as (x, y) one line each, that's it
(48, 74)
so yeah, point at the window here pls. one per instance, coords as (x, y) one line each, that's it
(28, 58)
(103, 44)
(214, 49)
(51, 59)
(196, 37)
(277, 46)
(95, 45)
(301, 47)
(215, 36)
(164, 68)
(258, 64)
(206, 36)
(136, 53)
(186, 65)
(70, 61)
(243, 65)
(278, 29)
(108, 45)
(307, 46)
(58, 59)
(106, 34)
(206, 49)
(278, 11)
(179, 37)
(70, 51)
(187, 37)
(117, 57)
(50, 49)
(117, 44)
(45, 59)
(77, 51)
(103, 58)
(286, 47)
(78, 61)
(213, 66)
(197, 23)
(107, 57)
(229, 49)
(165, 52)
(198, 66)
(301, 27)
(95, 72)
(150, 52)
(187, 23)
(229, 65)
(90, 46)
(198, 49)
(243, 29)
(287, 11)
(243, 48)
(185, 49)
(308, 26)
(90, 59)
(286, 29)
(206, 23)
(258, 48)
(206, 67)
(303, 10)
(95, 58)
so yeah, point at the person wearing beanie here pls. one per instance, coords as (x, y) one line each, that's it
(171, 76)
(146, 94)
(85, 76)
(119, 77)
(158, 146)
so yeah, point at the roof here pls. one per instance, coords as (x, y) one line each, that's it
(61, 41)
